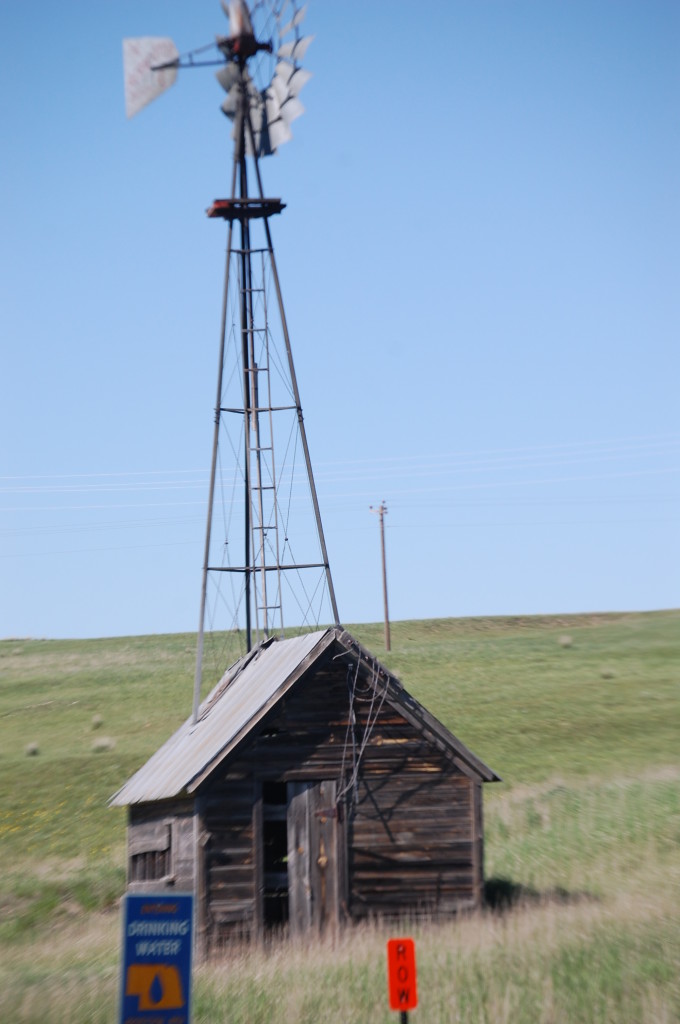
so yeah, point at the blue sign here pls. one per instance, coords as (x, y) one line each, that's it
(157, 947)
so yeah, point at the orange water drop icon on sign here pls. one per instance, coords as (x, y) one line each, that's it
(157, 986)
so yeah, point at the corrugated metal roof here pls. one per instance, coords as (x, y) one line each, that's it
(235, 704)
(245, 694)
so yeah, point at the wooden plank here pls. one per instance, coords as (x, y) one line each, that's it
(242, 892)
(324, 858)
(299, 859)
(151, 887)
(397, 859)
(183, 852)
(412, 888)
(201, 891)
(149, 837)
(409, 881)
(232, 911)
(258, 859)
(159, 810)
(231, 874)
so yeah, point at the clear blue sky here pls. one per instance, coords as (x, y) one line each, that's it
(480, 262)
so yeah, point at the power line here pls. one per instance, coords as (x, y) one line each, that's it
(484, 458)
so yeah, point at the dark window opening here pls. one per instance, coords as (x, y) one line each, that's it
(149, 866)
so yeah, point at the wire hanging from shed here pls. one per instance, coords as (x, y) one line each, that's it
(370, 696)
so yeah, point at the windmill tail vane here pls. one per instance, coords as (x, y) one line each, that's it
(269, 548)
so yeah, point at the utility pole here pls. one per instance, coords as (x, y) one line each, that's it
(381, 512)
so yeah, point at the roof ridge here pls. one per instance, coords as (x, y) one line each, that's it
(232, 673)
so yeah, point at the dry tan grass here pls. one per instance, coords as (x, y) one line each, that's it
(76, 963)
(86, 939)
(55, 868)
(531, 935)
(542, 926)
(509, 795)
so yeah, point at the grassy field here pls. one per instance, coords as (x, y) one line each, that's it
(578, 714)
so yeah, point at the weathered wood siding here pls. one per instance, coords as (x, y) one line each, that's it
(228, 868)
(411, 849)
(316, 857)
(411, 835)
(412, 843)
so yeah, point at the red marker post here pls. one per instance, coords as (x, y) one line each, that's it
(401, 976)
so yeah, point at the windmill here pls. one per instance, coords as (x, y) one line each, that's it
(264, 544)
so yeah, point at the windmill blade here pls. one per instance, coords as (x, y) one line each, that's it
(279, 132)
(295, 21)
(228, 76)
(280, 89)
(284, 72)
(230, 105)
(272, 105)
(291, 109)
(258, 145)
(288, 80)
(298, 79)
(142, 85)
(295, 50)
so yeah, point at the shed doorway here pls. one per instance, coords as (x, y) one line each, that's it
(302, 856)
(274, 854)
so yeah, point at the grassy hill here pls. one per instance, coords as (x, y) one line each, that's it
(578, 714)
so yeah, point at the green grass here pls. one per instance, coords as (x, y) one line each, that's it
(578, 714)
(531, 706)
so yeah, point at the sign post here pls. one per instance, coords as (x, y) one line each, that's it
(401, 976)
(157, 948)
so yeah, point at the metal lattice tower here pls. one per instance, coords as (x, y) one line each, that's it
(265, 565)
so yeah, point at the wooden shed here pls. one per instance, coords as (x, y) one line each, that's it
(312, 790)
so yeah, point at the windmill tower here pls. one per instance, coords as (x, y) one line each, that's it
(289, 796)
(265, 564)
